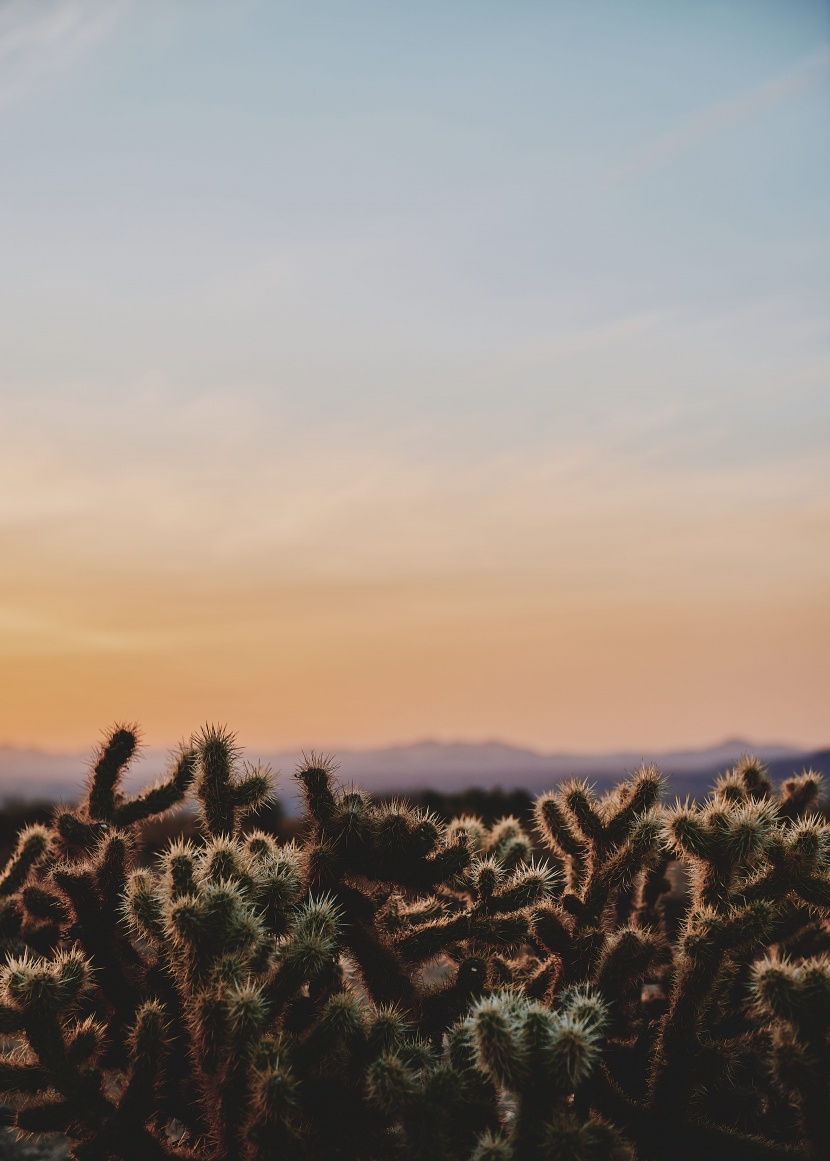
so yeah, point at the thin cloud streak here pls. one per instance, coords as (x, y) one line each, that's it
(37, 42)
(809, 71)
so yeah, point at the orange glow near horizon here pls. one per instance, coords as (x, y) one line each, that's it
(352, 598)
(378, 373)
(354, 666)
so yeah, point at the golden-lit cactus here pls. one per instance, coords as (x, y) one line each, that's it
(636, 980)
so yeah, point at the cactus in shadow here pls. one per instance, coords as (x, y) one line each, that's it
(792, 1004)
(635, 980)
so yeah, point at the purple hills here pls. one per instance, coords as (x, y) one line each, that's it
(29, 775)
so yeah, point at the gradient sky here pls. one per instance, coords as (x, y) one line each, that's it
(374, 371)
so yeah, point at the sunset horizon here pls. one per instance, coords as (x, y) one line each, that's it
(370, 375)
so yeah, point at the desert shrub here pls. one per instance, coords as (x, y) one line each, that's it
(395, 986)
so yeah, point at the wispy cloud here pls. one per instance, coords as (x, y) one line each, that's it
(40, 40)
(806, 73)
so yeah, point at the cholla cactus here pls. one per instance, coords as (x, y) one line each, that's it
(394, 987)
(540, 1058)
(792, 1002)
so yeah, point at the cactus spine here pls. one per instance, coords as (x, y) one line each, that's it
(395, 987)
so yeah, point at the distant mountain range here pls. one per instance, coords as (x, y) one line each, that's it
(31, 775)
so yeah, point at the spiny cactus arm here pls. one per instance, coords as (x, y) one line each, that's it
(723, 842)
(636, 796)
(710, 938)
(754, 776)
(336, 1046)
(563, 1135)
(651, 886)
(568, 1049)
(162, 797)
(803, 1079)
(43, 993)
(377, 958)
(406, 847)
(43, 904)
(253, 789)
(553, 822)
(542, 983)
(222, 860)
(538, 1056)
(479, 1096)
(94, 891)
(11, 918)
(729, 788)
(745, 832)
(628, 955)
(814, 889)
(580, 801)
(316, 775)
(391, 1084)
(218, 753)
(428, 940)
(508, 844)
(148, 1044)
(207, 1021)
(502, 933)
(446, 1116)
(179, 866)
(33, 845)
(49, 1116)
(552, 928)
(387, 1030)
(426, 1105)
(425, 909)
(143, 907)
(442, 867)
(471, 828)
(111, 865)
(796, 1000)
(686, 834)
(279, 884)
(501, 1052)
(76, 833)
(309, 947)
(78, 887)
(612, 871)
(273, 1123)
(222, 798)
(529, 885)
(84, 1041)
(212, 927)
(112, 759)
(482, 929)
(246, 1014)
(797, 856)
(18, 1076)
(493, 1147)
(800, 795)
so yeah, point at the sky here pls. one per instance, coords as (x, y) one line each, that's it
(373, 371)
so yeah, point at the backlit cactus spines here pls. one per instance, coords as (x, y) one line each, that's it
(33, 845)
(641, 980)
(793, 1000)
(224, 795)
(539, 1057)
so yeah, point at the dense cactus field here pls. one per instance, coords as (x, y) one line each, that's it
(613, 978)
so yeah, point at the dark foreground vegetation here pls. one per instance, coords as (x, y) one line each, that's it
(609, 978)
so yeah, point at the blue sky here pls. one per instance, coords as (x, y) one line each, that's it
(456, 295)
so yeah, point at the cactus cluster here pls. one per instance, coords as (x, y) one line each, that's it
(612, 979)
